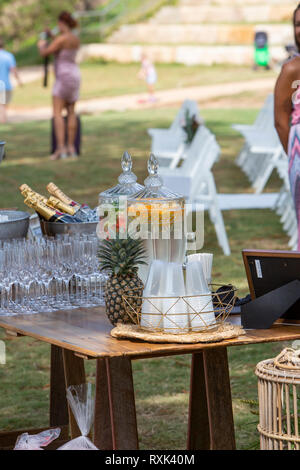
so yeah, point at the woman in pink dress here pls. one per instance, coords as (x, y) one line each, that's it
(287, 115)
(67, 82)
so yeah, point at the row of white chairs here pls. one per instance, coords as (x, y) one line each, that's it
(262, 149)
(194, 178)
(262, 154)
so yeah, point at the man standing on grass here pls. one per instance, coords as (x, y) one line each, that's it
(7, 66)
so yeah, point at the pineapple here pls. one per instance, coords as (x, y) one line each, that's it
(121, 257)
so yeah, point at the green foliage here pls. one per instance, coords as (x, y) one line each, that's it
(21, 21)
(122, 12)
(28, 54)
(190, 126)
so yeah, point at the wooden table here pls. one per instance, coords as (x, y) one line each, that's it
(80, 334)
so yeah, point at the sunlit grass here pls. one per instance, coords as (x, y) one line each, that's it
(112, 79)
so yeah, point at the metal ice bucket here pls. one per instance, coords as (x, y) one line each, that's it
(16, 226)
(56, 228)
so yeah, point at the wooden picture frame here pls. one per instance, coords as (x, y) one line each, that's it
(267, 270)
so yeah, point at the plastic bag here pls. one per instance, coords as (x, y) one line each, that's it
(82, 405)
(36, 441)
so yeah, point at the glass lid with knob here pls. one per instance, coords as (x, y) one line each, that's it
(127, 185)
(154, 191)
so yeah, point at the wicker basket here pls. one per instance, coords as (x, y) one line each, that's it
(279, 401)
(156, 314)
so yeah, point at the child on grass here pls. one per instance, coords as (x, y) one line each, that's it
(148, 73)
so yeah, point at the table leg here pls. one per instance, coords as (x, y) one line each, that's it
(120, 388)
(74, 375)
(102, 423)
(210, 411)
(58, 402)
(198, 425)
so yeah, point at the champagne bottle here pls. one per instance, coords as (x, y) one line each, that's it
(51, 201)
(82, 211)
(56, 192)
(48, 213)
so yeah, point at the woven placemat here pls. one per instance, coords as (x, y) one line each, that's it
(225, 331)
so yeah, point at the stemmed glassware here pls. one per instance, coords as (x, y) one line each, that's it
(5, 280)
(49, 274)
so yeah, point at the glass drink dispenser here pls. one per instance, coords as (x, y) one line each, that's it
(156, 214)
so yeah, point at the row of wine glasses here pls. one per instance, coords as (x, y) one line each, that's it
(49, 274)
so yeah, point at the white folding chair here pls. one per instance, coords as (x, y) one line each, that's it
(262, 151)
(267, 152)
(260, 123)
(195, 181)
(168, 145)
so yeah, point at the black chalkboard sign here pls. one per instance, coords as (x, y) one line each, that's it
(270, 270)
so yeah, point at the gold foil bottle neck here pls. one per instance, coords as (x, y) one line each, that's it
(24, 187)
(51, 187)
(27, 191)
(58, 204)
(56, 192)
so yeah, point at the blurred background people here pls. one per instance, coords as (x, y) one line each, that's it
(287, 115)
(261, 50)
(291, 50)
(148, 73)
(65, 91)
(7, 67)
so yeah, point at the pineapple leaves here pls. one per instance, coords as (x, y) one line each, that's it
(121, 256)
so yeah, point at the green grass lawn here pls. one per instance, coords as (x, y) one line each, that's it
(112, 79)
(162, 385)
